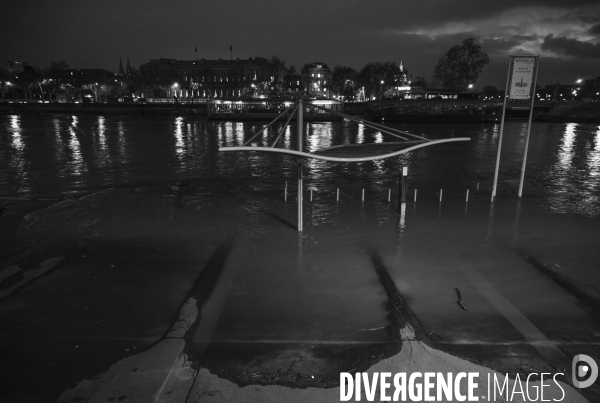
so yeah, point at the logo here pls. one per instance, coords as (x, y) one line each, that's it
(584, 367)
(521, 84)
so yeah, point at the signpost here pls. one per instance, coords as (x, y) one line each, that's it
(522, 77)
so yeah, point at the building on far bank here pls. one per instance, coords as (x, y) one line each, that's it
(210, 78)
(316, 79)
(293, 84)
(79, 77)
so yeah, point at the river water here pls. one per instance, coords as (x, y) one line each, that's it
(302, 296)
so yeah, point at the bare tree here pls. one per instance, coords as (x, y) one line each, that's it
(378, 78)
(278, 72)
(69, 90)
(343, 80)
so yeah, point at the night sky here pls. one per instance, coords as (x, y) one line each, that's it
(89, 34)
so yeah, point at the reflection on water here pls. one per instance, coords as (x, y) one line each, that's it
(121, 143)
(101, 151)
(573, 176)
(361, 134)
(287, 138)
(179, 144)
(16, 160)
(563, 167)
(17, 142)
(76, 164)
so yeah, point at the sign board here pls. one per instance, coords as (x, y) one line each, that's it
(519, 94)
(521, 83)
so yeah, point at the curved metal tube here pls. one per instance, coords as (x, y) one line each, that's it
(340, 159)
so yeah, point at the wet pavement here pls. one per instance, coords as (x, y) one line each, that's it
(100, 275)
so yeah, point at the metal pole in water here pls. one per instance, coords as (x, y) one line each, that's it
(311, 195)
(363, 194)
(467, 195)
(501, 131)
(404, 180)
(528, 129)
(389, 195)
(415, 195)
(402, 190)
(338, 194)
(300, 146)
(441, 190)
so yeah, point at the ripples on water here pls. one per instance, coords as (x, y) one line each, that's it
(62, 154)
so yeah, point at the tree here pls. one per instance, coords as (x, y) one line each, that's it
(377, 78)
(5, 84)
(69, 90)
(95, 88)
(159, 79)
(343, 81)
(278, 72)
(4, 88)
(27, 80)
(461, 66)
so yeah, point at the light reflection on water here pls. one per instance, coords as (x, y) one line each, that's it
(16, 160)
(17, 142)
(361, 134)
(179, 144)
(102, 153)
(122, 143)
(563, 164)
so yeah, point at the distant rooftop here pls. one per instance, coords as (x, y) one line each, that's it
(204, 61)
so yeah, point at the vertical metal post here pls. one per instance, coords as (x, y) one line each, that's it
(300, 146)
(501, 129)
(338, 195)
(363, 194)
(415, 195)
(441, 191)
(389, 195)
(467, 195)
(404, 180)
(402, 189)
(537, 66)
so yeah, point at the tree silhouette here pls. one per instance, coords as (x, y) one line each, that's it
(461, 66)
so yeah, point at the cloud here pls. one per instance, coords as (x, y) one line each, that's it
(520, 28)
(595, 29)
(571, 47)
